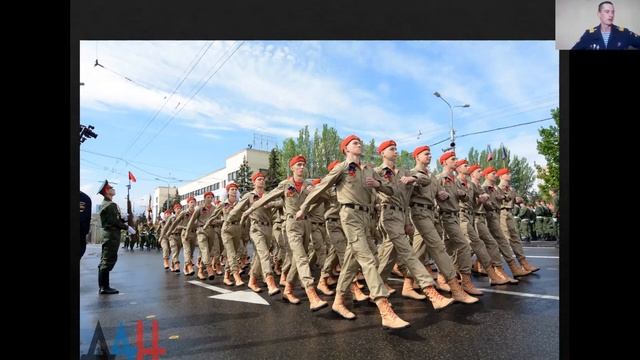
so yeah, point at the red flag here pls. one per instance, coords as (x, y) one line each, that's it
(131, 177)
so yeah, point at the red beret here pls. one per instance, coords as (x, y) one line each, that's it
(502, 172)
(473, 168)
(315, 182)
(333, 164)
(190, 198)
(385, 144)
(420, 149)
(461, 162)
(346, 141)
(167, 212)
(488, 170)
(446, 155)
(256, 175)
(297, 159)
(230, 185)
(208, 193)
(177, 206)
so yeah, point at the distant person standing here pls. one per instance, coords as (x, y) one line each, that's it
(85, 221)
(112, 223)
(606, 35)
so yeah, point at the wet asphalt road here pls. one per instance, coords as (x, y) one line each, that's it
(514, 324)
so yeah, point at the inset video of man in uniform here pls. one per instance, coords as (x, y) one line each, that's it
(607, 36)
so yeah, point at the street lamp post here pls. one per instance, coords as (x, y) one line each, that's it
(452, 132)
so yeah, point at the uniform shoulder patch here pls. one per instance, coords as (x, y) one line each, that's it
(592, 30)
(621, 28)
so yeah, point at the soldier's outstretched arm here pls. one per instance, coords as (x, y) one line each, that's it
(332, 178)
(271, 195)
(192, 220)
(237, 210)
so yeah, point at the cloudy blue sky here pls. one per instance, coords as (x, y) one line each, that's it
(174, 110)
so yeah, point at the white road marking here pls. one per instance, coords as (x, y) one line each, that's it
(539, 296)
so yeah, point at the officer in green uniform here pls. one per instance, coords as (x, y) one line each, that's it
(112, 223)
(524, 215)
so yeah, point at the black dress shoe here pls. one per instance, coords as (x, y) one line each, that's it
(108, 291)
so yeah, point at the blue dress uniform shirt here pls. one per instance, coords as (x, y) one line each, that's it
(619, 39)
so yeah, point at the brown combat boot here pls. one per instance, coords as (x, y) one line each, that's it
(527, 265)
(166, 263)
(201, 275)
(478, 268)
(442, 284)
(211, 272)
(287, 294)
(389, 289)
(359, 285)
(516, 269)
(331, 280)
(339, 308)
(188, 269)
(276, 268)
(283, 279)
(467, 285)
(396, 271)
(500, 271)
(199, 262)
(324, 287)
(438, 301)
(459, 294)
(176, 267)
(408, 292)
(495, 278)
(227, 279)
(357, 294)
(315, 303)
(271, 285)
(389, 318)
(253, 284)
(238, 279)
(218, 268)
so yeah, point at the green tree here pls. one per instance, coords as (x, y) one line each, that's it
(522, 174)
(549, 147)
(329, 149)
(369, 152)
(289, 150)
(405, 160)
(244, 177)
(315, 163)
(274, 173)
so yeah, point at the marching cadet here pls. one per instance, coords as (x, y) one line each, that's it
(507, 224)
(318, 243)
(467, 220)
(395, 223)
(174, 238)
(261, 233)
(189, 238)
(490, 243)
(539, 224)
(204, 236)
(164, 240)
(353, 183)
(231, 236)
(492, 206)
(112, 223)
(294, 190)
(457, 246)
(524, 215)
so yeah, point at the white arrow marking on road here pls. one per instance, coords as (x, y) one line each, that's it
(243, 296)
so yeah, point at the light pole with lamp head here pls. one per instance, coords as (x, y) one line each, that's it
(452, 133)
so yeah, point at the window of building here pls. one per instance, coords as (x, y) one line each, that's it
(216, 186)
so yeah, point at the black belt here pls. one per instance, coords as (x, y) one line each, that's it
(293, 217)
(232, 222)
(260, 223)
(428, 206)
(317, 223)
(357, 207)
(481, 214)
(504, 208)
(392, 207)
(332, 219)
(449, 212)
(466, 211)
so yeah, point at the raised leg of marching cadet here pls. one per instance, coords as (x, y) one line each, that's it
(493, 223)
(335, 256)
(286, 262)
(166, 251)
(298, 237)
(492, 247)
(508, 227)
(231, 239)
(176, 244)
(189, 243)
(427, 237)
(358, 254)
(206, 240)
(278, 251)
(467, 224)
(215, 250)
(393, 230)
(459, 249)
(261, 235)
